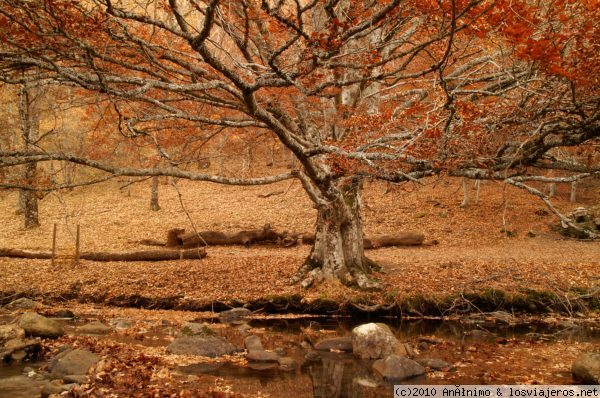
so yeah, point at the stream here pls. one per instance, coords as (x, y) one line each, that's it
(478, 349)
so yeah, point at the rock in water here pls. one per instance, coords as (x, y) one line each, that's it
(207, 346)
(335, 343)
(95, 327)
(196, 329)
(262, 356)
(397, 368)
(72, 362)
(435, 364)
(373, 341)
(586, 368)
(253, 343)
(234, 315)
(38, 325)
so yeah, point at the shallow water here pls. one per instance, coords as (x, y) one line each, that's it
(337, 375)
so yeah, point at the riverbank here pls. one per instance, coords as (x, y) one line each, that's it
(476, 265)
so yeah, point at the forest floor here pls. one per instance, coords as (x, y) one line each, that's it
(474, 264)
(533, 272)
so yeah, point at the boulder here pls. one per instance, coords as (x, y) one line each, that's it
(72, 362)
(373, 341)
(253, 343)
(335, 343)
(586, 368)
(38, 325)
(234, 315)
(207, 346)
(396, 368)
(95, 327)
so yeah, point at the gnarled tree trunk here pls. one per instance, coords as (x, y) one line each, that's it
(338, 250)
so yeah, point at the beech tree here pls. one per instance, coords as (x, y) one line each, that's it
(395, 90)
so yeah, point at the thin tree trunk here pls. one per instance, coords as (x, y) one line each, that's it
(28, 202)
(573, 197)
(154, 206)
(552, 190)
(465, 201)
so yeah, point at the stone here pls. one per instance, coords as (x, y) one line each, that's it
(234, 315)
(65, 314)
(312, 356)
(434, 363)
(502, 317)
(95, 327)
(262, 356)
(286, 363)
(196, 329)
(262, 365)
(40, 326)
(431, 340)
(335, 343)
(207, 346)
(77, 379)
(56, 387)
(22, 303)
(586, 368)
(72, 362)
(253, 343)
(373, 341)
(10, 332)
(396, 368)
(21, 349)
(124, 323)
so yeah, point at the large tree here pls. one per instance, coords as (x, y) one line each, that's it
(395, 90)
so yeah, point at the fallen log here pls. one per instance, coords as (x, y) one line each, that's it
(374, 242)
(24, 254)
(400, 239)
(148, 255)
(179, 238)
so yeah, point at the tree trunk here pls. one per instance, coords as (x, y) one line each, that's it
(338, 250)
(154, 206)
(28, 203)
